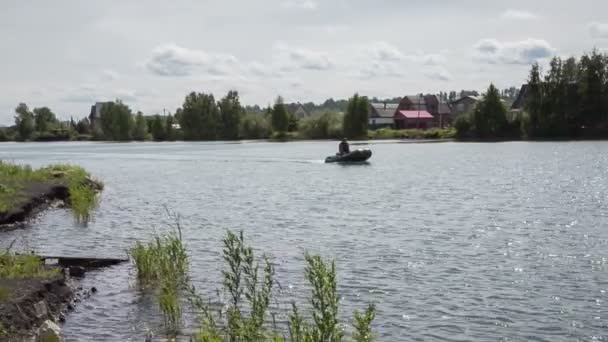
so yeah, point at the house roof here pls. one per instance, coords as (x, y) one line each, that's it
(379, 111)
(444, 108)
(415, 99)
(470, 97)
(380, 105)
(521, 97)
(413, 114)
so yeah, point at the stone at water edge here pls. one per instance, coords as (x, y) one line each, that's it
(49, 332)
(77, 271)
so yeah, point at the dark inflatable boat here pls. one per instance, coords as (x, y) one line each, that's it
(356, 156)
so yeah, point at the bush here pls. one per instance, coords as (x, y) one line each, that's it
(433, 133)
(463, 126)
(249, 285)
(326, 125)
(254, 126)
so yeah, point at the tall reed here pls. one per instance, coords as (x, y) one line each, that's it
(163, 265)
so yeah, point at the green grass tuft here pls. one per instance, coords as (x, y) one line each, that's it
(14, 179)
(163, 265)
(24, 266)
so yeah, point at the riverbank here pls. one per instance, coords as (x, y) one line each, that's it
(31, 294)
(34, 295)
(25, 191)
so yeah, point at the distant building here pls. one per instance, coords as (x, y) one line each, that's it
(96, 113)
(464, 105)
(520, 101)
(301, 113)
(440, 111)
(381, 115)
(408, 119)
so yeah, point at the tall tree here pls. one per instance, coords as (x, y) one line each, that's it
(44, 119)
(24, 121)
(533, 103)
(158, 128)
(169, 131)
(200, 117)
(231, 111)
(490, 115)
(140, 130)
(279, 117)
(592, 88)
(116, 121)
(356, 117)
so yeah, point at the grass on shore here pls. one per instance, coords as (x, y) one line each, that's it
(24, 266)
(249, 284)
(433, 133)
(15, 178)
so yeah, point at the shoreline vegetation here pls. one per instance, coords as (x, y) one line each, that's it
(25, 190)
(34, 295)
(568, 101)
(247, 313)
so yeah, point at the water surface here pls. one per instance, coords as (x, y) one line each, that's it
(453, 242)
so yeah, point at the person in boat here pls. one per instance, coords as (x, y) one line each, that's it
(343, 148)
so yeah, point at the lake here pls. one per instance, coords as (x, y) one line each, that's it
(452, 241)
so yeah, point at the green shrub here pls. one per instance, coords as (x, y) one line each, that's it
(326, 125)
(249, 283)
(254, 126)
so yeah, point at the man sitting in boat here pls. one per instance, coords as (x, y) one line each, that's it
(344, 148)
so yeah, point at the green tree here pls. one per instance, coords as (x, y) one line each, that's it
(83, 126)
(24, 122)
(279, 117)
(356, 117)
(44, 119)
(140, 130)
(593, 89)
(159, 131)
(231, 112)
(116, 121)
(533, 103)
(169, 131)
(254, 126)
(490, 115)
(200, 117)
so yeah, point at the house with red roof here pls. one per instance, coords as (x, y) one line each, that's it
(406, 119)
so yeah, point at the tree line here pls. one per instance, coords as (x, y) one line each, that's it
(200, 117)
(569, 100)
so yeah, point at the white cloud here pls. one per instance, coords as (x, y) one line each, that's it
(439, 74)
(291, 58)
(526, 51)
(300, 4)
(174, 60)
(380, 70)
(90, 94)
(512, 14)
(383, 51)
(599, 30)
(427, 59)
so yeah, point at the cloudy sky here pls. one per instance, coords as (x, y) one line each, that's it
(69, 54)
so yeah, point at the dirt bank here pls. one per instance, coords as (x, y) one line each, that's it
(29, 303)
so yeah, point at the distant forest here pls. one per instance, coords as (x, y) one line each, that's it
(340, 105)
